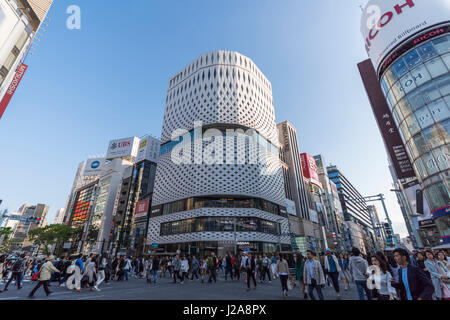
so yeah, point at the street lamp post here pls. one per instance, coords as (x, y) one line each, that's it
(235, 238)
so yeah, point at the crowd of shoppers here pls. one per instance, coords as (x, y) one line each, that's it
(419, 275)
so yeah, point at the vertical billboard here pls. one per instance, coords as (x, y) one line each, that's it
(148, 149)
(141, 208)
(385, 121)
(410, 189)
(125, 147)
(309, 168)
(12, 88)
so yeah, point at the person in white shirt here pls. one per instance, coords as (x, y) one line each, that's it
(184, 269)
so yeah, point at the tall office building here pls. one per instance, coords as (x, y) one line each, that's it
(59, 217)
(20, 20)
(225, 190)
(409, 48)
(355, 211)
(293, 175)
(130, 223)
(87, 172)
(23, 227)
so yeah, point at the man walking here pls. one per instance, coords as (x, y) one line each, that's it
(333, 269)
(176, 263)
(414, 284)
(44, 276)
(229, 266)
(313, 276)
(358, 269)
(17, 271)
(265, 268)
(212, 266)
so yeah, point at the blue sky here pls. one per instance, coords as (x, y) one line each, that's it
(109, 80)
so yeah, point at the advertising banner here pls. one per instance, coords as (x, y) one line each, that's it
(148, 150)
(385, 121)
(290, 207)
(123, 148)
(12, 88)
(309, 168)
(141, 208)
(385, 24)
(93, 166)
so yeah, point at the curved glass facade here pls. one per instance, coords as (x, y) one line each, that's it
(417, 89)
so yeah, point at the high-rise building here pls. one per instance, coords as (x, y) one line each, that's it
(225, 191)
(20, 21)
(355, 211)
(333, 209)
(23, 227)
(409, 48)
(59, 217)
(293, 172)
(88, 172)
(130, 223)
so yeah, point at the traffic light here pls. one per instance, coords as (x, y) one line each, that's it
(34, 220)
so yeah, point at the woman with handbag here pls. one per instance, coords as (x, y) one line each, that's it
(445, 272)
(436, 276)
(385, 291)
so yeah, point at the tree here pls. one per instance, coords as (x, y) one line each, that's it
(50, 235)
(5, 242)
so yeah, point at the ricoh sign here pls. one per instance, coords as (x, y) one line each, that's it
(385, 24)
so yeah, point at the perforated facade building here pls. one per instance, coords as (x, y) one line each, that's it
(228, 191)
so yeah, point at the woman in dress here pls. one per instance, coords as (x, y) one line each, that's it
(385, 290)
(91, 272)
(436, 276)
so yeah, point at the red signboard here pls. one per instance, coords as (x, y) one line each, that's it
(141, 209)
(309, 167)
(12, 88)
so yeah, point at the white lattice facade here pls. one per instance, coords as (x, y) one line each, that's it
(221, 89)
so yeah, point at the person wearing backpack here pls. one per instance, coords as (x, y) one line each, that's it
(17, 270)
(212, 266)
(265, 263)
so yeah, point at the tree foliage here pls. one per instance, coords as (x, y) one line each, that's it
(52, 234)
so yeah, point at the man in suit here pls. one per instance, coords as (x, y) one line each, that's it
(413, 282)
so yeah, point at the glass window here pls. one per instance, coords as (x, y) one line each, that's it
(413, 126)
(407, 82)
(444, 128)
(412, 149)
(415, 99)
(442, 45)
(398, 117)
(424, 117)
(384, 86)
(443, 83)
(434, 136)
(436, 67)
(398, 91)
(420, 144)
(430, 163)
(439, 110)
(404, 107)
(442, 156)
(390, 100)
(412, 59)
(399, 68)
(438, 195)
(404, 131)
(420, 168)
(427, 51)
(446, 58)
(390, 78)
(420, 75)
(430, 92)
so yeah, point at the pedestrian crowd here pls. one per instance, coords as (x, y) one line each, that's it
(397, 275)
